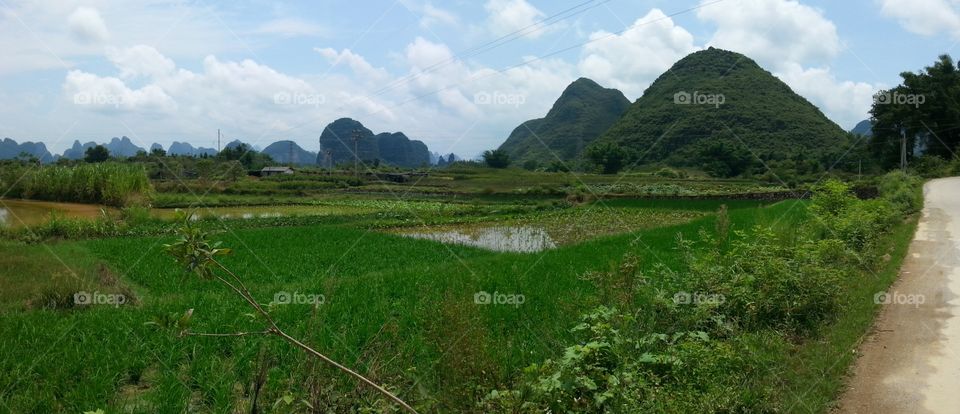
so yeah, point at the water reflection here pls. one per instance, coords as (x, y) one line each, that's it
(500, 238)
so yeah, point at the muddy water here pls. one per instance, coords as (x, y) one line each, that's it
(498, 238)
(19, 213)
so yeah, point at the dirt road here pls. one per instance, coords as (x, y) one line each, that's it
(911, 362)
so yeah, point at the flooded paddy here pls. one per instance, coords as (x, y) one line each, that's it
(547, 230)
(498, 238)
(19, 213)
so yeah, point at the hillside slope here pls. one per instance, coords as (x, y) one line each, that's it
(720, 111)
(583, 112)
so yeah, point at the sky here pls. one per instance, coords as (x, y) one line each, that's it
(459, 75)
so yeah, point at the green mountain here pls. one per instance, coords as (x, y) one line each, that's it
(398, 150)
(337, 140)
(864, 128)
(390, 148)
(719, 111)
(583, 112)
(288, 152)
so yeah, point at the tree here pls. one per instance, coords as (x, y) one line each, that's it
(925, 107)
(609, 156)
(95, 154)
(158, 152)
(496, 158)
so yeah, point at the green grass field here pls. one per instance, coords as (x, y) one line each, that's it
(401, 311)
(409, 299)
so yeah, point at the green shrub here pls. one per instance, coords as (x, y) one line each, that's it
(902, 190)
(618, 368)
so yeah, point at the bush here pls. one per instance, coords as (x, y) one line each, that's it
(617, 368)
(902, 190)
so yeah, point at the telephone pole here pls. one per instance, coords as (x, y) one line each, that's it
(903, 149)
(356, 155)
(218, 140)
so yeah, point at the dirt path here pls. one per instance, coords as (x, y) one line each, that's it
(911, 362)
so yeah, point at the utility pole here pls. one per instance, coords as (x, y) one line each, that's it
(356, 155)
(903, 149)
(329, 159)
(218, 140)
(290, 153)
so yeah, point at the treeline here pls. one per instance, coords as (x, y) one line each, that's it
(112, 184)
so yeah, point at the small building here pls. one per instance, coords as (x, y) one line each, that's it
(268, 171)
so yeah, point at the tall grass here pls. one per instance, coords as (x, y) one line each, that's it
(109, 183)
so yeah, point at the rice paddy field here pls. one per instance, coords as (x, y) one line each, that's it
(442, 300)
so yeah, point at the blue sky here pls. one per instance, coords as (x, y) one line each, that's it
(160, 71)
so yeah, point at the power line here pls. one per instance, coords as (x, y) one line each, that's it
(493, 44)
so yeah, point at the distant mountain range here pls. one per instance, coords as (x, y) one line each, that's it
(183, 148)
(584, 111)
(11, 149)
(389, 148)
(339, 140)
(118, 147)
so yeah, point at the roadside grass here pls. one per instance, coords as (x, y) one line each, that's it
(402, 311)
(816, 374)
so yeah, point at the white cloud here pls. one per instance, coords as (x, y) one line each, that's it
(357, 63)
(433, 15)
(111, 94)
(924, 17)
(508, 16)
(773, 32)
(86, 24)
(632, 60)
(845, 102)
(140, 60)
(291, 27)
(796, 42)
